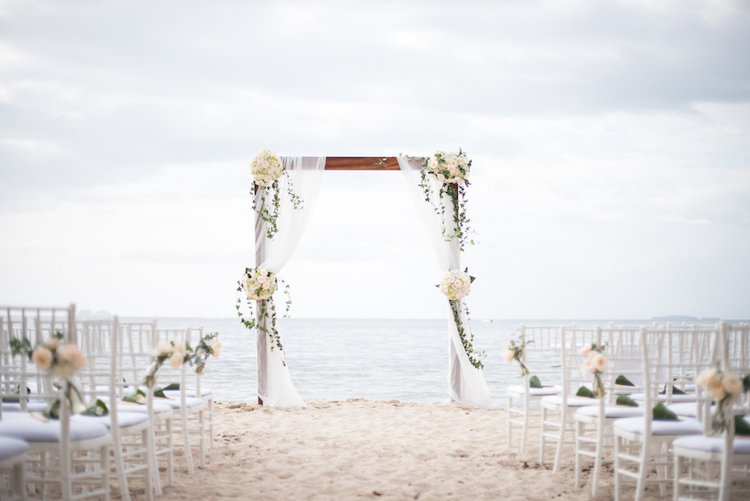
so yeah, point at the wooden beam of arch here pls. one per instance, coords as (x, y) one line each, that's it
(361, 163)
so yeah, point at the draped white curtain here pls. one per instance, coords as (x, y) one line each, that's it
(466, 384)
(275, 386)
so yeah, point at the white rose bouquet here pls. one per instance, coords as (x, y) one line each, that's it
(267, 170)
(259, 285)
(450, 171)
(61, 360)
(724, 389)
(456, 285)
(595, 363)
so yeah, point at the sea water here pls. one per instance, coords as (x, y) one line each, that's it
(375, 359)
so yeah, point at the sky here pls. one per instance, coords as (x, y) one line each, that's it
(610, 143)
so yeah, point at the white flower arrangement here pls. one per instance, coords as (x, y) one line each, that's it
(178, 354)
(63, 361)
(595, 363)
(449, 167)
(724, 389)
(515, 352)
(456, 285)
(259, 284)
(451, 172)
(267, 169)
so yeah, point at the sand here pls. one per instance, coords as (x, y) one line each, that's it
(360, 449)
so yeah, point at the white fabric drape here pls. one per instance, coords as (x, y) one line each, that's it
(275, 386)
(466, 383)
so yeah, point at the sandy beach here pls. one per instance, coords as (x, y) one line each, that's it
(358, 448)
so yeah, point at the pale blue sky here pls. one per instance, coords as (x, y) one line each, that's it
(610, 140)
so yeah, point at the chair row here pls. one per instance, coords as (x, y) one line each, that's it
(639, 368)
(54, 402)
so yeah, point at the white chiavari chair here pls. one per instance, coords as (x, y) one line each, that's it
(66, 460)
(132, 447)
(190, 418)
(642, 443)
(593, 424)
(557, 410)
(137, 341)
(542, 357)
(718, 467)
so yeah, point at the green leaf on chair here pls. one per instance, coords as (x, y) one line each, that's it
(585, 392)
(159, 392)
(534, 382)
(623, 381)
(626, 400)
(52, 411)
(138, 397)
(746, 383)
(741, 427)
(98, 408)
(675, 391)
(661, 413)
(172, 386)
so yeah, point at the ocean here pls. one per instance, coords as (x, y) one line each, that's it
(375, 359)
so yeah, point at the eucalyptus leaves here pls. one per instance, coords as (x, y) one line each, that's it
(451, 171)
(259, 284)
(267, 170)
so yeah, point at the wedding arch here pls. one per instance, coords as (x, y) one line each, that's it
(285, 189)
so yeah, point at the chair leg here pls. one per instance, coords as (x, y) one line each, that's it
(18, 480)
(525, 429)
(120, 468)
(508, 427)
(560, 438)
(186, 442)
(598, 457)
(640, 488)
(617, 467)
(578, 432)
(543, 428)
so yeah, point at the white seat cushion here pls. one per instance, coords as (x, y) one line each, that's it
(518, 389)
(573, 401)
(711, 444)
(687, 409)
(190, 392)
(30, 407)
(610, 411)
(125, 419)
(133, 407)
(662, 398)
(22, 425)
(636, 425)
(10, 446)
(174, 403)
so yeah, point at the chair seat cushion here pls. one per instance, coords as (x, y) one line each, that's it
(24, 426)
(10, 446)
(610, 411)
(174, 403)
(636, 425)
(190, 392)
(36, 406)
(703, 443)
(518, 389)
(132, 407)
(661, 398)
(687, 409)
(572, 401)
(125, 419)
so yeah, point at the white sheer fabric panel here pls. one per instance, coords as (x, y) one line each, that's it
(275, 386)
(466, 383)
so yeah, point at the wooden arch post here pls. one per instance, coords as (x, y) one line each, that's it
(332, 163)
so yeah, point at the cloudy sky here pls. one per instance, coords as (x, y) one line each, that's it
(610, 144)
